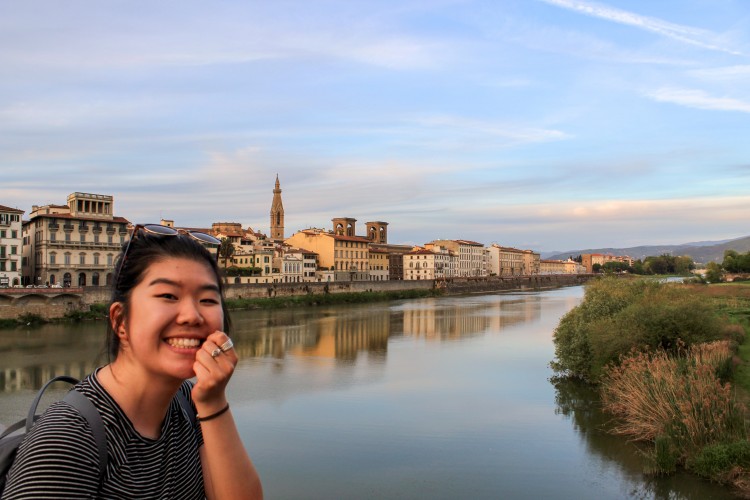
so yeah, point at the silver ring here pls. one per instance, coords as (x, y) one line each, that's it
(226, 345)
(216, 352)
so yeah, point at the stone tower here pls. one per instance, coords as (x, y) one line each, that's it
(344, 226)
(377, 232)
(277, 214)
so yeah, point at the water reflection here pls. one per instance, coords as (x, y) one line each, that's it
(435, 398)
(31, 356)
(580, 403)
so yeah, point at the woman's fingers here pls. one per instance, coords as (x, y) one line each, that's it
(214, 365)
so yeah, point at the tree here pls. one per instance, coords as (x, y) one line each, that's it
(713, 272)
(226, 251)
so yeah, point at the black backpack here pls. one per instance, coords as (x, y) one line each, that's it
(11, 438)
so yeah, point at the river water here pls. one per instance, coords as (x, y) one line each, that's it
(440, 398)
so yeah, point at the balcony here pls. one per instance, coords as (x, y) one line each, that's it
(86, 244)
(82, 228)
(68, 227)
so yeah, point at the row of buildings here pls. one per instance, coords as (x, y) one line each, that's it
(76, 244)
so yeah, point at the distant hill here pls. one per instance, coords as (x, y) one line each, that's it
(701, 252)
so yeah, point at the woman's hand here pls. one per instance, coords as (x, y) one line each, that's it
(213, 373)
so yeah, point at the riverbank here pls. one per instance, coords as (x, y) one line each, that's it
(30, 305)
(672, 365)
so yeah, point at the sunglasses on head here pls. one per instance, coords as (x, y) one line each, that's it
(159, 230)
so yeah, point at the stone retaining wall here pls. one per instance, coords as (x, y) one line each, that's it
(55, 303)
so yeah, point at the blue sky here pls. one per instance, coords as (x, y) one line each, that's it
(542, 124)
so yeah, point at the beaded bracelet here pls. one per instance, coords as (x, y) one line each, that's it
(213, 415)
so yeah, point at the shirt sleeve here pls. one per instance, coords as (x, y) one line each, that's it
(57, 459)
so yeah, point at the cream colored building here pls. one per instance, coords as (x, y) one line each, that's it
(508, 261)
(11, 246)
(74, 244)
(471, 257)
(531, 262)
(590, 259)
(432, 263)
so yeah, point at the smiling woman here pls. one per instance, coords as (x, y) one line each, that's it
(168, 324)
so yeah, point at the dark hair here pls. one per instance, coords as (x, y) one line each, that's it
(145, 250)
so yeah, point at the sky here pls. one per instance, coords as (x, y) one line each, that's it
(550, 125)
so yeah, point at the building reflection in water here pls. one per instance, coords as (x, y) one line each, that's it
(30, 357)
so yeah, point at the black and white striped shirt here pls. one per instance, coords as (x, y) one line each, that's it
(59, 459)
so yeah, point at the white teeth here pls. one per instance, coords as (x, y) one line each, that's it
(184, 343)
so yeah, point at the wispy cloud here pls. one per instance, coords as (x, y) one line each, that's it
(686, 34)
(723, 73)
(698, 99)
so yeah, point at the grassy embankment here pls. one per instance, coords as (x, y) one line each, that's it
(672, 364)
(98, 311)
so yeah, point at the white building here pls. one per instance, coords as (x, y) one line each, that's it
(471, 257)
(11, 249)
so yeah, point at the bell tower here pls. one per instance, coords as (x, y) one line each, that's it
(277, 214)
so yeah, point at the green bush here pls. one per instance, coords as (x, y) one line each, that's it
(31, 319)
(717, 461)
(8, 323)
(618, 315)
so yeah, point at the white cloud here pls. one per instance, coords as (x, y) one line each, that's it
(698, 99)
(723, 73)
(686, 34)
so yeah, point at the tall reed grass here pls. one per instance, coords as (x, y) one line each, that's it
(675, 400)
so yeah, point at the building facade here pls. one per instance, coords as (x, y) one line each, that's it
(471, 259)
(591, 259)
(427, 264)
(74, 244)
(347, 256)
(11, 246)
(379, 264)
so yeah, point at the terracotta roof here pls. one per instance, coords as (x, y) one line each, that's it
(357, 239)
(3, 208)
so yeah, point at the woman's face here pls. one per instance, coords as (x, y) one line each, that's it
(173, 309)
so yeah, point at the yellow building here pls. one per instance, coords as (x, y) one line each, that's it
(347, 256)
(379, 264)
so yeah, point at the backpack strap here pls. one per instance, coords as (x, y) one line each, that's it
(32, 416)
(86, 408)
(186, 407)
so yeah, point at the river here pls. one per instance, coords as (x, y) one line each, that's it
(439, 398)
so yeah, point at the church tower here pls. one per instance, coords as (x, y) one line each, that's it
(277, 214)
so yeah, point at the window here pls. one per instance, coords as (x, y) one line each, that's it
(2, 233)
(67, 259)
(14, 250)
(52, 236)
(67, 236)
(83, 238)
(109, 259)
(96, 261)
(14, 234)
(82, 259)
(52, 258)
(96, 238)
